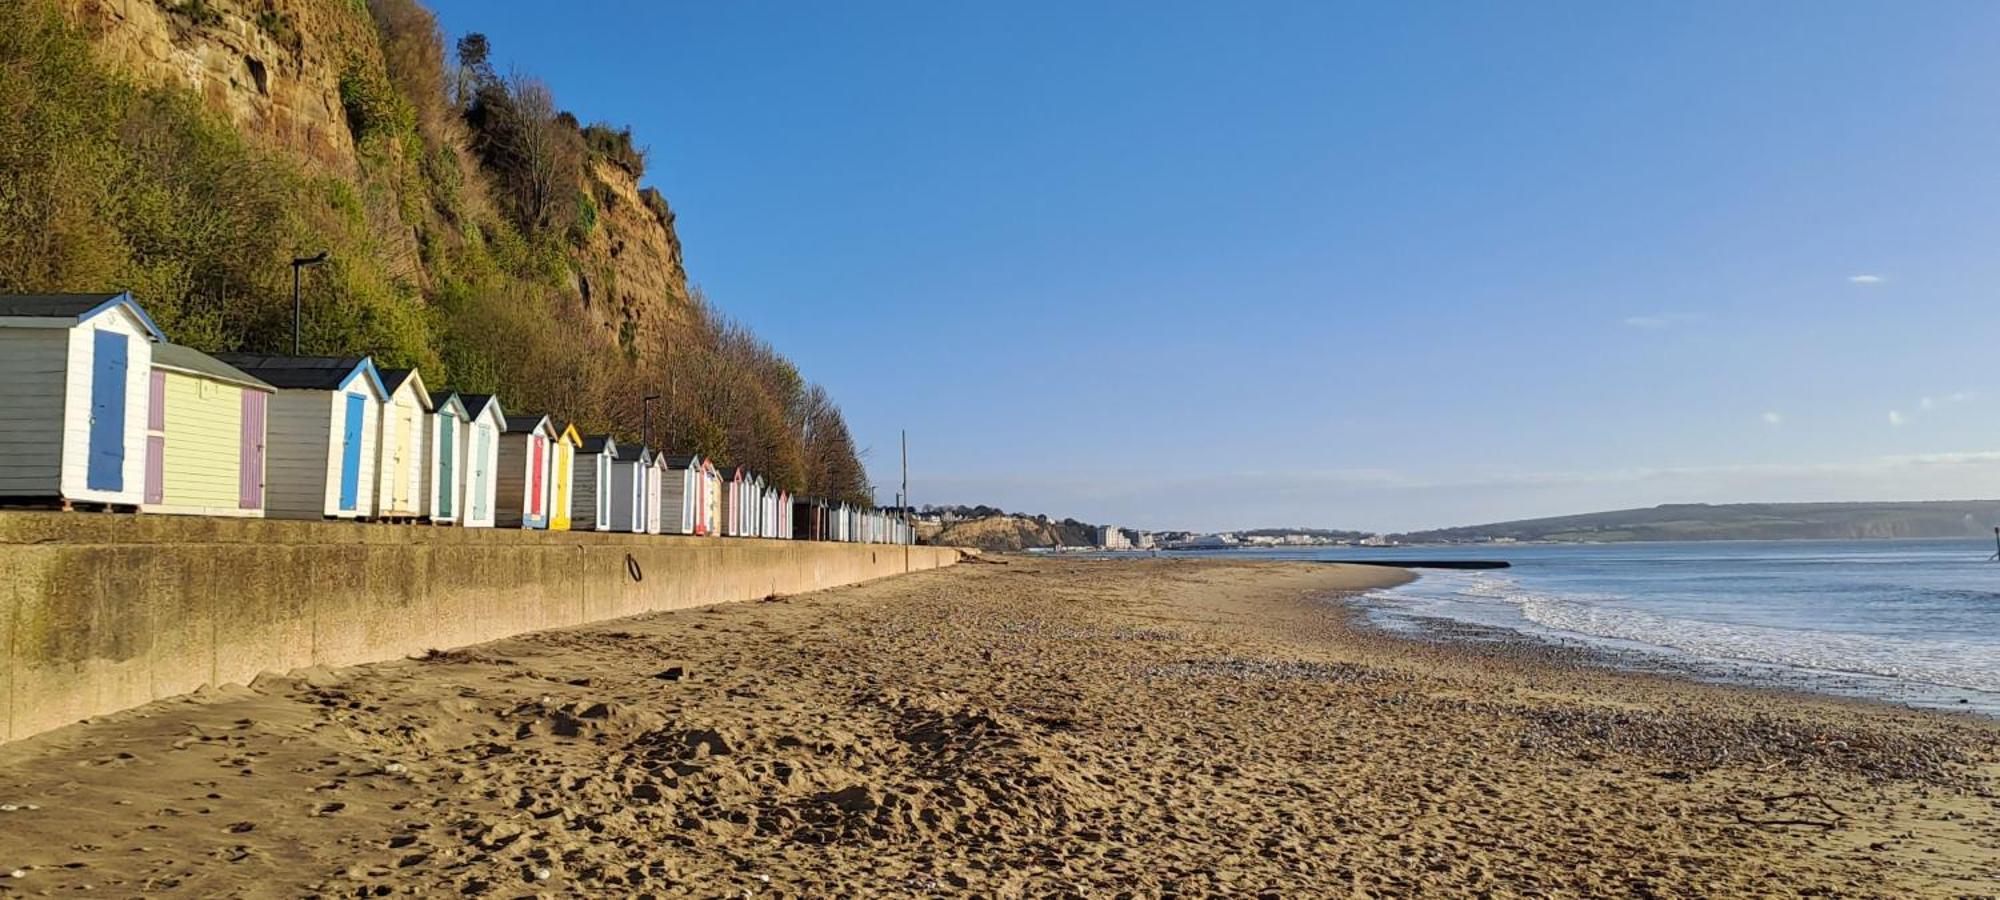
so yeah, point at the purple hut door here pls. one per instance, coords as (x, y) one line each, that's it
(250, 463)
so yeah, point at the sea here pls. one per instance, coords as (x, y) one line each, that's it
(1914, 622)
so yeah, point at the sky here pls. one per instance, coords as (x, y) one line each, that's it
(1377, 266)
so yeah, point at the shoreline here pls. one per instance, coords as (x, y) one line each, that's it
(1021, 726)
(1376, 610)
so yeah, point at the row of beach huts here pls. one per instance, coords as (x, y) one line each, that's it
(98, 409)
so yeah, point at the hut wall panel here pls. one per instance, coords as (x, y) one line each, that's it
(32, 368)
(297, 455)
(674, 518)
(203, 460)
(584, 513)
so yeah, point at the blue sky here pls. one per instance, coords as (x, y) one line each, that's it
(1375, 266)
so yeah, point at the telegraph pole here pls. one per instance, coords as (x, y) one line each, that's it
(910, 536)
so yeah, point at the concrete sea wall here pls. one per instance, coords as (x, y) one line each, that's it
(104, 612)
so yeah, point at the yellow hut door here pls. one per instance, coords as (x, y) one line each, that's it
(560, 515)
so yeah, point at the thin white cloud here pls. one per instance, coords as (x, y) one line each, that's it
(1774, 418)
(1896, 418)
(1660, 320)
(1865, 279)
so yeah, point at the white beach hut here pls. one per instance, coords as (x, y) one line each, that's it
(523, 477)
(402, 445)
(479, 462)
(447, 428)
(656, 481)
(631, 470)
(73, 376)
(594, 458)
(205, 438)
(320, 434)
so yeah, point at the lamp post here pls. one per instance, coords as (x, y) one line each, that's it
(646, 426)
(297, 264)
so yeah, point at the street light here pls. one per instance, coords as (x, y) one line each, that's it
(646, 426)
(297, 264)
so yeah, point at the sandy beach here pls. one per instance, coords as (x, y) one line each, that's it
(1019, 727)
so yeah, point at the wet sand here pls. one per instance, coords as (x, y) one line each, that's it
(1028, 727)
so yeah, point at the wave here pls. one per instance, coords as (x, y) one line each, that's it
(1972, 665)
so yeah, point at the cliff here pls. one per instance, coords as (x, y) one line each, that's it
(188, 150)
(276, 69)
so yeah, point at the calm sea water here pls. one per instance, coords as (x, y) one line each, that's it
(1914, 622)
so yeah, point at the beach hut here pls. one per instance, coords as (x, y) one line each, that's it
(680, 494)
(631, 470)
(712, 494)
(402, 444)
(320, 433)
(522, 481)
(656, 483)
(73, 378)
(562, 477)
(204, 436)
(446, 429)
(594, 458)
(479, 462)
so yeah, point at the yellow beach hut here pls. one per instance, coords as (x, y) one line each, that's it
(402, 444)
(322, 430)
(562, 478)
(73, 370)
(205, 436)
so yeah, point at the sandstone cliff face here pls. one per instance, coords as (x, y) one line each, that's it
(272, 66)
(630, 264)
(275, 67)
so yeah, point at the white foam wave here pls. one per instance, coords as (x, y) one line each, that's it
(1970, 664)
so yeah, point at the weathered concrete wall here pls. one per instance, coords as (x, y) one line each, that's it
(105, 612)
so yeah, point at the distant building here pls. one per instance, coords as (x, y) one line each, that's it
(1111, 537)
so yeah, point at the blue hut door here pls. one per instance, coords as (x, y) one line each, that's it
(350, 452)
(448, 432)
(111, 359)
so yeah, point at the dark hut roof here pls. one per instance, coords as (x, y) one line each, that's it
(520, 422)
(314, 373)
